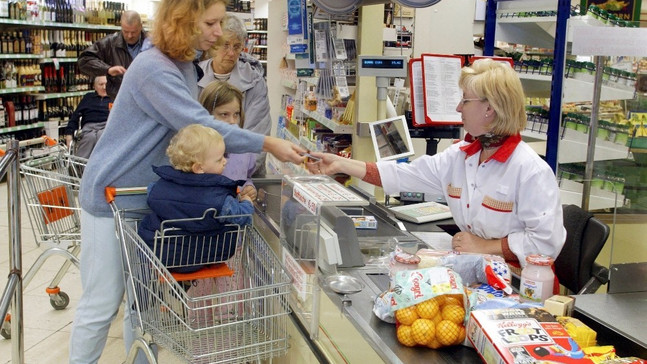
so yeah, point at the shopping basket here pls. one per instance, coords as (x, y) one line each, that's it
(245, 320)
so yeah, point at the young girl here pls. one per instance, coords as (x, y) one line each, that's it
(224, 102)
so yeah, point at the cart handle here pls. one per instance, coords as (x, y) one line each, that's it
(112, 192)
(50, 142)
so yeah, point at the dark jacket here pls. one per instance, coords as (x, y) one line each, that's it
(109, 51)
(93, 108)
(180, 195)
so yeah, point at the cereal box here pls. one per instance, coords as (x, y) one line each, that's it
(521, 336)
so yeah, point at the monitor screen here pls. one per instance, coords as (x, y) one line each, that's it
(391, 139)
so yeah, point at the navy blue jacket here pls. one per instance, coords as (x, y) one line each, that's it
(181, 195)
(93, 108)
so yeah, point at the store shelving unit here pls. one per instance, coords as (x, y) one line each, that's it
(505, 22)
(537, 31)
(38, 92)
(295, 86)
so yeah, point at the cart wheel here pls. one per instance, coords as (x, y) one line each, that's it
(5, 331)
(59, 301)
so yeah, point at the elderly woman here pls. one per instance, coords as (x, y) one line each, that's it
(502, 195)
(229, 63)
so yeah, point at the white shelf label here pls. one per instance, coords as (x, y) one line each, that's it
(609, 41)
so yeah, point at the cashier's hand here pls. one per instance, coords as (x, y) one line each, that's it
(284, 150)
(324, 163)
(248, 192)
(470, 243)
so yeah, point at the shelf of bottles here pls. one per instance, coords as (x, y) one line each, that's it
(40, 41)
(240, 6)
(88, 14)
(258, 36)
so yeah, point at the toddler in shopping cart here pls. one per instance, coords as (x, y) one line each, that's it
(190, 186)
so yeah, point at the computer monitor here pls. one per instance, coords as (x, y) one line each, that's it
(391, 139)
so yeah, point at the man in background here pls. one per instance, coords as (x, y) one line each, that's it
(89, 118)
(111, 55)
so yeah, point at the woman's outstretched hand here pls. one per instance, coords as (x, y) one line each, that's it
(284, 150)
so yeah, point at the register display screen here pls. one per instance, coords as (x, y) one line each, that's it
(383, 63)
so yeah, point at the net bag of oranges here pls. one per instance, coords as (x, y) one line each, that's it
(429, 307)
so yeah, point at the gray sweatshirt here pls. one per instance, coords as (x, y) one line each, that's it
(158, 96)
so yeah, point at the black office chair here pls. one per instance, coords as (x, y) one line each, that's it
(575, 265)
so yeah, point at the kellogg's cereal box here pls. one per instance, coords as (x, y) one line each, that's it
(521, 336)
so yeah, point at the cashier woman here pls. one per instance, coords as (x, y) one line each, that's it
(502, 195)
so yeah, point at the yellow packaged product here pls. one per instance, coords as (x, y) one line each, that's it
(600, 354)
(583, 335)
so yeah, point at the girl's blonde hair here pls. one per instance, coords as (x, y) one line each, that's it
(499, 84)
(189, 145)
(219, 93)
(175, 29)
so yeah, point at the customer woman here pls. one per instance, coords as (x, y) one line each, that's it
(229, 63)
(158, 96)
(502, 195)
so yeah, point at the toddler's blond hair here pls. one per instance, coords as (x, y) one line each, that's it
(188, 146)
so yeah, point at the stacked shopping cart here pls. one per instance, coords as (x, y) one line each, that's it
(50, 185)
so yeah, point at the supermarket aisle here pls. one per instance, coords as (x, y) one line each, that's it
(46, 330)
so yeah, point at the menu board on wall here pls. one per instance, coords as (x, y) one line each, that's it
(434, 89)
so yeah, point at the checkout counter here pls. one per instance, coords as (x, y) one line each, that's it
(329, 326)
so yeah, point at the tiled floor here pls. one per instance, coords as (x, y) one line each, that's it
(47, 331)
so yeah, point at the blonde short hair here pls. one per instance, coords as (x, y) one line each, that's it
(188, 146)
(176, 29)
(499, 84)
(218, 93)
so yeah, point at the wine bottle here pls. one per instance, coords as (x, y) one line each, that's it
(4, 13)
(17, 112)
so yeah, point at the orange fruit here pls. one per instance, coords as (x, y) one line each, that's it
(453, 313)
(447, 332)
(453, 300)
(440, 299)
(434, 344)
(427, 309)
(404, 335)
(436, 319)
(406, 315)
(461, 335)
(423, 331)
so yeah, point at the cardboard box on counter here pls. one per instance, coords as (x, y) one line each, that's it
(560, 305)
(364, 221)
(526, 335)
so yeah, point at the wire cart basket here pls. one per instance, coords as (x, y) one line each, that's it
(50, 187)
(244, 320)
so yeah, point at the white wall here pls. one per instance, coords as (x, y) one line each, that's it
(444, 28)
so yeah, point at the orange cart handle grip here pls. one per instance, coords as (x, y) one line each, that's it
(111, 193)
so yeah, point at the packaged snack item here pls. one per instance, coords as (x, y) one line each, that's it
(401, 260)
(600, 354)
(473, 268)
(382, 307)
(583, 335)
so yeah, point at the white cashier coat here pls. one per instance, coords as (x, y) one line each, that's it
(513, 194)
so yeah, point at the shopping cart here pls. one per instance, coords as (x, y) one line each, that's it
(245, 320)
(51, 180)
